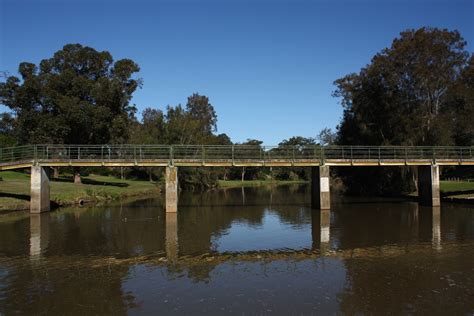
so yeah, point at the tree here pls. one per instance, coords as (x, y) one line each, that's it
(251, 172)
(193, 124)
(79, 96)
(401, 97)
(6, 130)
(299, 146)
(462, 103)
(408, 95)
(326, 137)
(202, 111)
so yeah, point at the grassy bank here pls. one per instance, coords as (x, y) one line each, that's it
(15, 190)
(457, 189)
(255, 183)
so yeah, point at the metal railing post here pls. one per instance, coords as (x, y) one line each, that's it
(171, 155)
(203, 153)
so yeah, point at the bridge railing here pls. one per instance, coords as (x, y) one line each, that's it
(226, 153)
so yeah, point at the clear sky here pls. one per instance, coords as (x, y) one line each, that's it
(267, 66)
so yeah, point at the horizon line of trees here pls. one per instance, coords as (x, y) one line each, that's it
(419, 91)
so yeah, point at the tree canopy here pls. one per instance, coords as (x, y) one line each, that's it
(405, 95)
(78, 96)
(419, 91)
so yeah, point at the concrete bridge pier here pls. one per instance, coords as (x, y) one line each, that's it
(428, 185)
(40, 201)
(171, 189)
(320, 195)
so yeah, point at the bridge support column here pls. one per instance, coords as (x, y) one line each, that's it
(428, 185)
(171, 189)
(320, 196)
(39, 190)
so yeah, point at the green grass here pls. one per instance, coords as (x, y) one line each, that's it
(459, 189)
(449, 186)
(254, 183)
(15, 189)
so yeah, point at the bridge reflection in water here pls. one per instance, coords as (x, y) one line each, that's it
(320, 230)
(325, 237)
(218, 247)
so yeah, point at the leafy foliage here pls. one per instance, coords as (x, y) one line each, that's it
(416, 92)
(79, 96)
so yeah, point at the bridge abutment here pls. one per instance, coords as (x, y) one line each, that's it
(171, 189)
(320, 195)
(40, 201)
(428, 185)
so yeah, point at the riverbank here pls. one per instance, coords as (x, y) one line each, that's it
(255, 183)
(457, 191)
(15, 190)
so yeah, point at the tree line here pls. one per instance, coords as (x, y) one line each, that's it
(418, 91)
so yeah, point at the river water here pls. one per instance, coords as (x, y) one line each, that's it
(244, 251)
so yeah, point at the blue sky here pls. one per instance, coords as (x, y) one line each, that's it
(267, 66)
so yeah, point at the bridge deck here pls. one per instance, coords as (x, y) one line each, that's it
(235, 163)
(229, 155)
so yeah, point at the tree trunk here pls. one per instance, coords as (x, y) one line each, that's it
(121, 173)
(225, 174)
(55, 172)
(150, 178)
(243, 173)
(77, 175)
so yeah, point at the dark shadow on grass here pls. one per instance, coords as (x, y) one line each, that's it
(15, 196)
(454, 193)
(93, 182)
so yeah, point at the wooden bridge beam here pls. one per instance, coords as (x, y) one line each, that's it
(40, 201)
(320, 195)
(428, 185)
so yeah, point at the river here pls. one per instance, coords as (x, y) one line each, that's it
(244, 251)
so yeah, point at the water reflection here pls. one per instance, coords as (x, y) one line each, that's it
(436, 223)
(172, 246)
(320, 229)
(243, 251)
(141, 228)
(39, 235)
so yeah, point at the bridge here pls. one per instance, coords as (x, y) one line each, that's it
(319, 158)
